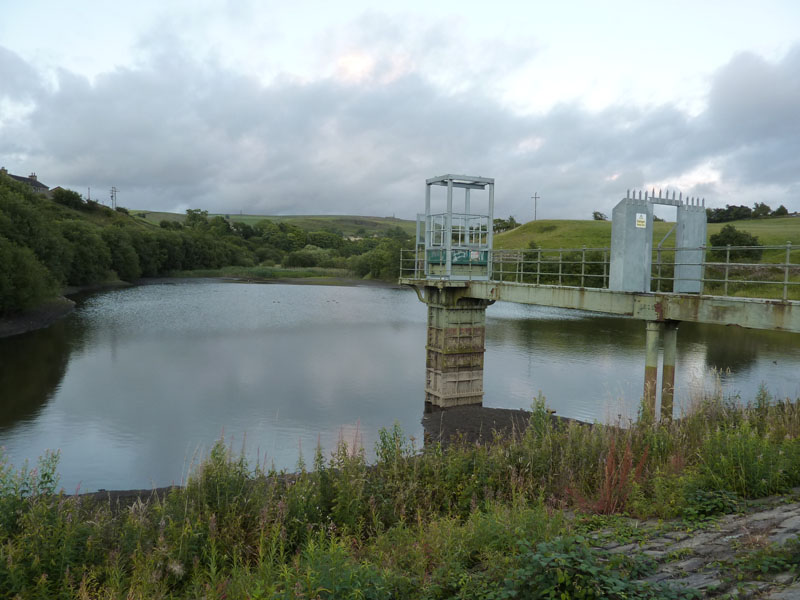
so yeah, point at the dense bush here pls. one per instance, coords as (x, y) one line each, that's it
(68, 198)
(24, 281)
(730, 236)
(124, 259)
(91, 258)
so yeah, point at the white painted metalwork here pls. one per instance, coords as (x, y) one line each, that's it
(455, 245)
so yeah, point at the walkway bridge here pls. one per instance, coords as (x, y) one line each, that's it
(457, 273)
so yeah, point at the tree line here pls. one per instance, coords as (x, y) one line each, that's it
(47, 244)
(736, 213)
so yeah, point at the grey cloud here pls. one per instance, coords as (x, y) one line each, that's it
(174, 131)
(753, 121)
(19, 81)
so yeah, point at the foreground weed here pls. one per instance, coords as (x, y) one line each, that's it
(702, 504)
(568, 568)
(462, 521)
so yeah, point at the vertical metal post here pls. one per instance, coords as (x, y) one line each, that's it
(703, 270)
(490, 241)
(466, 201)
(538, 265)
(786, 271)
(583, 265)
(448, 230)
(727, 267)
(490, 233)
(658, 260)
(668, 369)
(416, 250)
(560, 256)
(605, 269)
(653, 334)
(428, 227)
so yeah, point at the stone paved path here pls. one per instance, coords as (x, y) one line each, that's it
(706, 558)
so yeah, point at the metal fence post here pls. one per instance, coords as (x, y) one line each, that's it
(583, 265)
(786, 271)
(727, 267)
(560, 258)
(538, 265)
(703, 270)
(658, 262)
(605, 270)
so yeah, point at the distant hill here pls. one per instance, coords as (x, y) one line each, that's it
(597, 234)
(348, 225)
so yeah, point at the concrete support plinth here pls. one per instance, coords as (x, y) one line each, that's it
(655, 331)
(668, 371)
(651, 366)
(455, 347)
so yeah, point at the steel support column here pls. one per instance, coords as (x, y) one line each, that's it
(668, 369)
(651, 366)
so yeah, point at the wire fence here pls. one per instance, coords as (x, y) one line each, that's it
(743, 271)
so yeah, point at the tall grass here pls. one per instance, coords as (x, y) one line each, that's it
(462, 521)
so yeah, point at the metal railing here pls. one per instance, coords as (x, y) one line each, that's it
(748, 271)
(466, 230)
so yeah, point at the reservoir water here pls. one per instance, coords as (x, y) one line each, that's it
(138, 383)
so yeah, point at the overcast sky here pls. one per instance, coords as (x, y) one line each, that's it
(347, 107)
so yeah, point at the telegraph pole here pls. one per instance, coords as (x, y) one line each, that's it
(535, 197)
(113, 197)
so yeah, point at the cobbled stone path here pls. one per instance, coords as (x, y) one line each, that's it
(702, 559)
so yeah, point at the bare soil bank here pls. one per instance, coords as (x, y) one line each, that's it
(475, 424)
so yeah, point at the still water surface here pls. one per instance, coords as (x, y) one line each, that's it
(137, 383)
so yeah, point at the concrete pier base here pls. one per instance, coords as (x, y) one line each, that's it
(651, 366)
(668, 370)
(656, 331)
(455, 347)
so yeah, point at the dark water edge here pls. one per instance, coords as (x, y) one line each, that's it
(37, 318)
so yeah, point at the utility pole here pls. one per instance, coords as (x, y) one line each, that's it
(113, 197)
(535, 197)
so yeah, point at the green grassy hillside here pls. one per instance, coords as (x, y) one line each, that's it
(346, 224)
(597, 234)
(154, 218)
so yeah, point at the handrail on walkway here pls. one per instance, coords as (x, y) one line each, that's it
(742, 271)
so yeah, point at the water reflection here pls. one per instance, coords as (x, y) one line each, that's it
(137, 382)
(31, 369)
(591, 366)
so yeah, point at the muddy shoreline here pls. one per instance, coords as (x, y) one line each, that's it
(37, 318)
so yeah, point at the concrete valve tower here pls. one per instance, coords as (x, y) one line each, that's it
(632, 242)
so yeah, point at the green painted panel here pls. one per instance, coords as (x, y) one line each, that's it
(459, 257)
